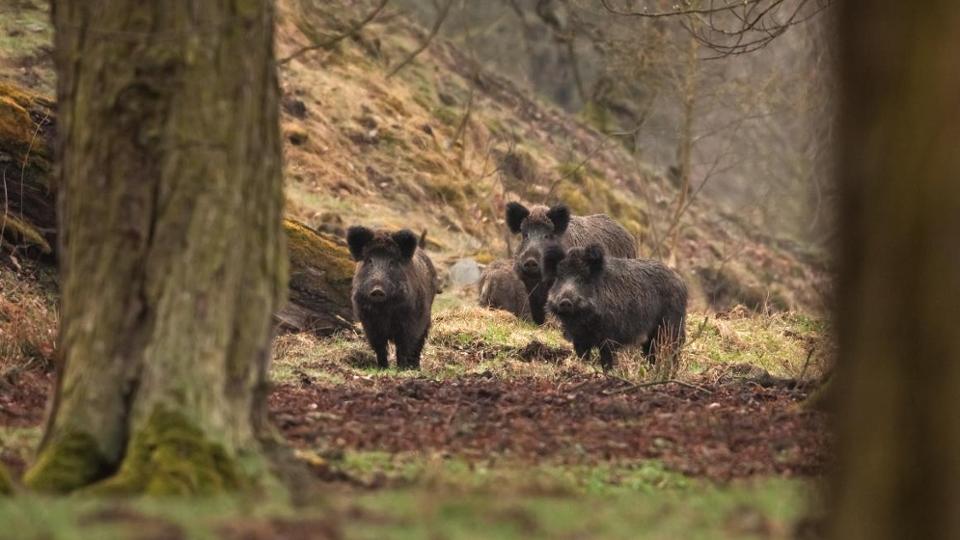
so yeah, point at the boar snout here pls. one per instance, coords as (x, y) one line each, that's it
(564, 306)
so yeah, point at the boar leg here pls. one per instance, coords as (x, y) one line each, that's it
(408, 354)
(381, 351)
(582, 349)
(606, 356)
(379, 345)
(538, 313)
(537, 298)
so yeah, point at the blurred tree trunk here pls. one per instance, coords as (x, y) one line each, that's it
(171, 246)
(688, 89)
(899, 286)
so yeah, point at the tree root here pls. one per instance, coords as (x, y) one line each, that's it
(68, 462)
(171, 456)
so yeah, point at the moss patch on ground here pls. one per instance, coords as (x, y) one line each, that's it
(432, 497)
(25, 38)
(6, 483)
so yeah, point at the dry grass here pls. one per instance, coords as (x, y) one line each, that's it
(466, 338)
(28, 324)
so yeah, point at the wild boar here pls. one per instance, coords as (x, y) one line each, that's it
(609, 302)
(500, 288)
(393, 289)
(541, 227)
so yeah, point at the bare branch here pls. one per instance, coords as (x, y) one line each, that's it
(336, 39)
(462, 126)
(647, 14)
(733, 27)
(442, 16)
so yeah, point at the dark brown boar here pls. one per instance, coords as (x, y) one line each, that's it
(608, 302)
(500, 288)
(393, 289)
(541, 227)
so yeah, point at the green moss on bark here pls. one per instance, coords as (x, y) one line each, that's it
(310, 249)
(25, 132)
(321, 273)
(67, 463)
(18, 132)
(171, 456)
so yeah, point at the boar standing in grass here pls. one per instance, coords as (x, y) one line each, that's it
(500, 288)
(541, 228)
(393, 289)
(608, 302)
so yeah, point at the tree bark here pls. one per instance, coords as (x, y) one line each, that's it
(321, 276)
(899, 284)
(171, 245)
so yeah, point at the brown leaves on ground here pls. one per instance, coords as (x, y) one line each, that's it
(729, 431)
(719, 431)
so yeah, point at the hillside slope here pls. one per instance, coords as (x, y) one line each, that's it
(443, 144)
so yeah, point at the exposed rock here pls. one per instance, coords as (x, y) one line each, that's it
(464, 272)
(294, 107)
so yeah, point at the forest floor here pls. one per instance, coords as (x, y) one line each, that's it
(501, 434)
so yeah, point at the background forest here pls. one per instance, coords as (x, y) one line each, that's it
(707, 132)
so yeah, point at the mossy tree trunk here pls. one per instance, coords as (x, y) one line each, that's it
(171, 247)
(899, 286)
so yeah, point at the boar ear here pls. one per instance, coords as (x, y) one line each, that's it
(357, 239)
(560, 216)
(422, 242)
(516, 213)
(551, 258)
(593, 256)
(406, 241)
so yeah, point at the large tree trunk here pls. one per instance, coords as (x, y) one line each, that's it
(899, 286)
(321, 270)
(171, 246)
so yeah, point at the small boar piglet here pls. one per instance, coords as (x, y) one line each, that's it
(608, 302)
(541, 228)
(500, 288)
(393, 289)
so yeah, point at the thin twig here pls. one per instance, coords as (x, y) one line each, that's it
(756, 26)
(442, 16)
(337, 39)
(579, 166)
(635, 386)
(6, 204)
(806, 364)
(462, 126)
